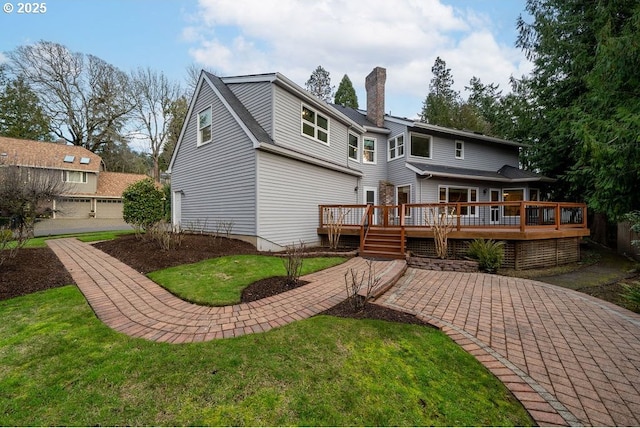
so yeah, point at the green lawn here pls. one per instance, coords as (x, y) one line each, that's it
(220, 281)
(59, 365)
(39, 241)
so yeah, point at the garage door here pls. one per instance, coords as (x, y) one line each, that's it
(109, 208)
(73, 208)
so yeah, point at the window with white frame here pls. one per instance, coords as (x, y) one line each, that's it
(396, 147)
(74, 177)
(369, 150)
(403, 196)
(454, 195)
(459, 149)
(512, 195)
(353, 146)
(204, 126)
(315, 125)
(421, 145)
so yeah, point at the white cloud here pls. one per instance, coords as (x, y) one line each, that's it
(346, 36)
(3, 58)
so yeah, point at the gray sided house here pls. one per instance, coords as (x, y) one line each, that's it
(263, 153)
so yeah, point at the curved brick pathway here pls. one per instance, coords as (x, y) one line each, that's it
(569, 358)
(131, 303)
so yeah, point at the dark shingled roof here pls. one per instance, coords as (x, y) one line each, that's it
(247, 118)
(507, 173)
(356, 115)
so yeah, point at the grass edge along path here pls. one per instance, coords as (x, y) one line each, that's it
(220, 281)
(39, 241)
(62, 366)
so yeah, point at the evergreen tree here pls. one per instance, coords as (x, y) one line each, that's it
(346, 95)
(319, 84)
(586, 85)
(441, 107)
(21, 114)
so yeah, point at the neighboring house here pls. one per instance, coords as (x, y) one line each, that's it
(90, 191)
(264, 153)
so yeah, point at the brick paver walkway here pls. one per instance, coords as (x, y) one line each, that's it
(569, 358)
(129, 302)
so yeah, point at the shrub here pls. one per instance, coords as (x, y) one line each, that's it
(354, 283)
(293, 259)
(143, 205)
(489, 253)
(632, 294)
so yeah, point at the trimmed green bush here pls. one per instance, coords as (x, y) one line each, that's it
(488, 253)
(143, 205)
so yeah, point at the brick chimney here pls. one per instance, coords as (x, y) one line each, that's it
(374, 85)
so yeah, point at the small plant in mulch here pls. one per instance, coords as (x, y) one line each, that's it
(355, 282)
(294, 257)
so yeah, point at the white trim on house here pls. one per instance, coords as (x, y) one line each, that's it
(458, 152)
(424, 136)
(396, 146)
(410, 186)
(315, 126)
(374, 151)
(357, 148)
(292, 154)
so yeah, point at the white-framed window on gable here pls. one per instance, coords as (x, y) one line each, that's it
(396, 148)
(459, 150)
(204, 126)
(315, 125)
(369, 150)
(353, 146)
(421, 145)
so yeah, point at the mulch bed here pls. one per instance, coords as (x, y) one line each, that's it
(37, 269)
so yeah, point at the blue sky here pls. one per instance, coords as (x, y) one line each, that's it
(233, 37)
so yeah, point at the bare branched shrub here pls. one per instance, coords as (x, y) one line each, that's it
(11, 242)
(294, 256)
(167, 237)
(334, 221)
(441, 219)
(354, 283)
(227, 226)
(26, 193)
(196, 226)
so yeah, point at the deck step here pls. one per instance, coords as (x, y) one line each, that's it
(383, 243)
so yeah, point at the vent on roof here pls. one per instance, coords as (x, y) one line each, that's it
(85, 160)
(69, 158)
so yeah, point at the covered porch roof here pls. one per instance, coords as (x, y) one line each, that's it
(506, 174)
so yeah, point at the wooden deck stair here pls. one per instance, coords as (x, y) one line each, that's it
(384, 242)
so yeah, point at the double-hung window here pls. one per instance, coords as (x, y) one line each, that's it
(421, 145)
(315, 125)
(459, 150)
(396, 147)
(204, 126)
(453, 195)
(353, 147)
(369, 150)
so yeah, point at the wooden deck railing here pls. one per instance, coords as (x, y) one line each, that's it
(522, 215)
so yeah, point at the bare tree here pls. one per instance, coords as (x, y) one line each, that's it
(154, 95)
(193, 75)
(26, 193)
(85, 97)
